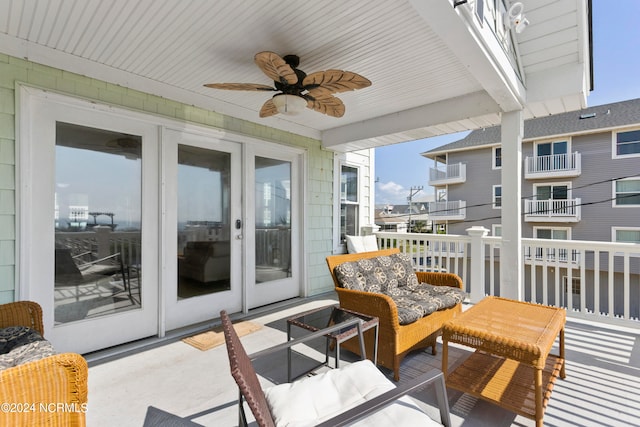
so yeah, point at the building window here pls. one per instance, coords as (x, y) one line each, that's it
(496, 230)
(626, 144)
(497, 196)
(349, 203)
(552, 156)
(575, 285)
(497, 158)
(554, 234)
(626, 235)
(626, 192)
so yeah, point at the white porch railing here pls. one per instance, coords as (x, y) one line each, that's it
(451, 174)
(555, 165)
(563, 210)
(598, 281)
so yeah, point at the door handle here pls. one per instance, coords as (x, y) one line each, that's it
(238, 224)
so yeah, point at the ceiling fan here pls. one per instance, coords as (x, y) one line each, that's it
(297, 89)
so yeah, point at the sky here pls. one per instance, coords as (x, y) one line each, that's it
(616, 63)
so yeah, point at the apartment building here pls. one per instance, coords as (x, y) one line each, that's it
(580, 177)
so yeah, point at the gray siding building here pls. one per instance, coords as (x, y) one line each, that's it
(580, 176)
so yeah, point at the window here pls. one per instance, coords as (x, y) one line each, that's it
(348, 201)
(552, 156)
(575, 285)
(554, 234)
(497, 158)
(496, 230)
(497, 196)
(626, 144)
(551, 148)
(626, 235)
(626, 192)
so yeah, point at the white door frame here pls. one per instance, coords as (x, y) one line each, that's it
(40, 110)
(179, 313)
(268, 292)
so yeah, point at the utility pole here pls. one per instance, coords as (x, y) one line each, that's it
(412, 192)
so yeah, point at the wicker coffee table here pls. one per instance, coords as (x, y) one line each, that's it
(512, 366)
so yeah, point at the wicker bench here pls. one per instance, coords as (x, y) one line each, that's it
(395, 340)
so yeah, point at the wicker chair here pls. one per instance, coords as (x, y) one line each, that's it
(395, 341)
(48, 392)
(330, 399)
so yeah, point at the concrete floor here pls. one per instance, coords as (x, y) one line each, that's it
(602, 387)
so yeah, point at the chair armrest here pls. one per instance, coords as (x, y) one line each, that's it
(22, 313)
(372, 304)
(54, 380)
(379, 402)
(440, 279)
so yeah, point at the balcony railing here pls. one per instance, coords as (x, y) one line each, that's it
(454, 210)
(563, 210)
(451, 174)
(593, 280)
(553, 166)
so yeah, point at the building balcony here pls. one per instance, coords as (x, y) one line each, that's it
(453, 210)
(553, 166)
(566, 210)
(450, 174)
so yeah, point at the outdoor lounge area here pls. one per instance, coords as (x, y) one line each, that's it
(601, 385)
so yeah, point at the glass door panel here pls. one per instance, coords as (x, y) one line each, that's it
(203, 221)
(202, 252)
(97, 216)
(272, 219)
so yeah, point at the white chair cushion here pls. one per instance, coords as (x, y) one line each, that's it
(357, 244)
(315, 399)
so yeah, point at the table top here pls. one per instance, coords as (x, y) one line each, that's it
(515, 329)
(323, 317)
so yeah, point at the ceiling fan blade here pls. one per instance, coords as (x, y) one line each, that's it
(275, 67)
(268, 109)
(240, 86)
(330, 105)
(323, 83)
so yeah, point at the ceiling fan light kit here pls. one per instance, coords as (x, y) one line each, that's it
(289, 104)
(297, 89)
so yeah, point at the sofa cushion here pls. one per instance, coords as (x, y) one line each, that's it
(379, 274)
(336, 391)
(20, 344)
(357, 244)
(416, 301)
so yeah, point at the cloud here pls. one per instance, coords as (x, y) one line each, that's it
(390, 192)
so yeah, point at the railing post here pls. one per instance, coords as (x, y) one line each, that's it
(477, 262)
(103, 234)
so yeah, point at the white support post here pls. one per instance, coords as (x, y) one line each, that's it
(477, 263)
(511, 285)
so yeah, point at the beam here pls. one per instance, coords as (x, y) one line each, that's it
(446, 111)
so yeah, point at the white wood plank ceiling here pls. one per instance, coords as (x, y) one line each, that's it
(172, 47)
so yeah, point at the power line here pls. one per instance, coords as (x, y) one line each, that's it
(533, 195)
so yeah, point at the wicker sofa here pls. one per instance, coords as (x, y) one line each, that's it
(48, 392)
(395, 340)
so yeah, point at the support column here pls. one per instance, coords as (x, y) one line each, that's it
(511, 277)
(477, 263)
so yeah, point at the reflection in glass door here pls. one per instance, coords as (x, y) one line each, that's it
(273, 219)
(203, 221)
(97, 215)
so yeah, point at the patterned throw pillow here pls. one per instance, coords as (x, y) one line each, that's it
(379, 274)
(20, 344)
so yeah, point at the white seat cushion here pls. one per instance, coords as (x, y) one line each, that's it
(357, 244)
(312, 400)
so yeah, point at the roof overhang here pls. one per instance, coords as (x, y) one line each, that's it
(436, 69)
